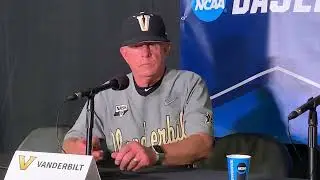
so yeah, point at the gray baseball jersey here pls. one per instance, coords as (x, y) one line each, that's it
(178, 108)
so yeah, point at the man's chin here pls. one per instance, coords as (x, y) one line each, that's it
(149, 72)
(146, 74)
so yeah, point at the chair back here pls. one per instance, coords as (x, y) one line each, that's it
(44, 140)
(268, 157)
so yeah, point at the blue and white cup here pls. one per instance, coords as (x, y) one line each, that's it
(238, 166)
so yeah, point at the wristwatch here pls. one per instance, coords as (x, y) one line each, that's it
(159, 154)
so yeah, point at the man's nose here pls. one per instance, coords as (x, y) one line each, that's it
(146, 50)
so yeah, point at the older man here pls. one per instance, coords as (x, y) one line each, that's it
(163, 117)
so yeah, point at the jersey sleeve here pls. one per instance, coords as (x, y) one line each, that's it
(79, 129)
(198, 115)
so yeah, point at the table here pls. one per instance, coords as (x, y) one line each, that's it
(156, 174)
(173, 174)
(170, 175)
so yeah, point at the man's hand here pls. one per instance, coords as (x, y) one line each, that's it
(78, 146)
(133, 156)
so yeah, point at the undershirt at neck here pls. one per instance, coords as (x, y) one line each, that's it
(145, 91)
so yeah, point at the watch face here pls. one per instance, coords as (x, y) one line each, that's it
(158, 149)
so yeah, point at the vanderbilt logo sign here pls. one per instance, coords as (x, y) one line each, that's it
(28, 165)
(144, 22)
(25, 164)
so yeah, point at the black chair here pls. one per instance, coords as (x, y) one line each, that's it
(268, 157)
(44, 140)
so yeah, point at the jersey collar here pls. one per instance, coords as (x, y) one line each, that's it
(145, 91)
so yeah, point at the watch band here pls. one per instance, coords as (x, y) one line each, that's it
(159, 154)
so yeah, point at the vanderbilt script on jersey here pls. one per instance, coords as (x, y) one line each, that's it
(165, 135)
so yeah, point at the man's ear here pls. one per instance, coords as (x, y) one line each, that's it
(123, 52)
(167, 49)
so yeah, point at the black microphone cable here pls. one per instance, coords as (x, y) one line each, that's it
(3, 167)
(117, 83)
(60, 146)
(294, 147)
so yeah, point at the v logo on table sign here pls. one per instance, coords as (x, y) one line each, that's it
(22, 162)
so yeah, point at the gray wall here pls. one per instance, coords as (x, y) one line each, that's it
(49, 49)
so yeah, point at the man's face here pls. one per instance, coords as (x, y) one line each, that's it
(146, 59)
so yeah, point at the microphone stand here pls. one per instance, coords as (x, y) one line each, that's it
(90, 124)
(312, 141)
(118, 83)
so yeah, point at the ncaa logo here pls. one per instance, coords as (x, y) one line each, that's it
(242, 168)
(208, 10)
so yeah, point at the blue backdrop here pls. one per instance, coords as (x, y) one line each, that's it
(260, 60)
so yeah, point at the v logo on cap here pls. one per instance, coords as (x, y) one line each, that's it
(144, 22)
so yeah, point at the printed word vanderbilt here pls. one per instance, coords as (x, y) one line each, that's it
(59, 165)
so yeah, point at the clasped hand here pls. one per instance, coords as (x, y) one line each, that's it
(133, 156)
(79, 147)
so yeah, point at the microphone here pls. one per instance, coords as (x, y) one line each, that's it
(312, 102)
(117, 83)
